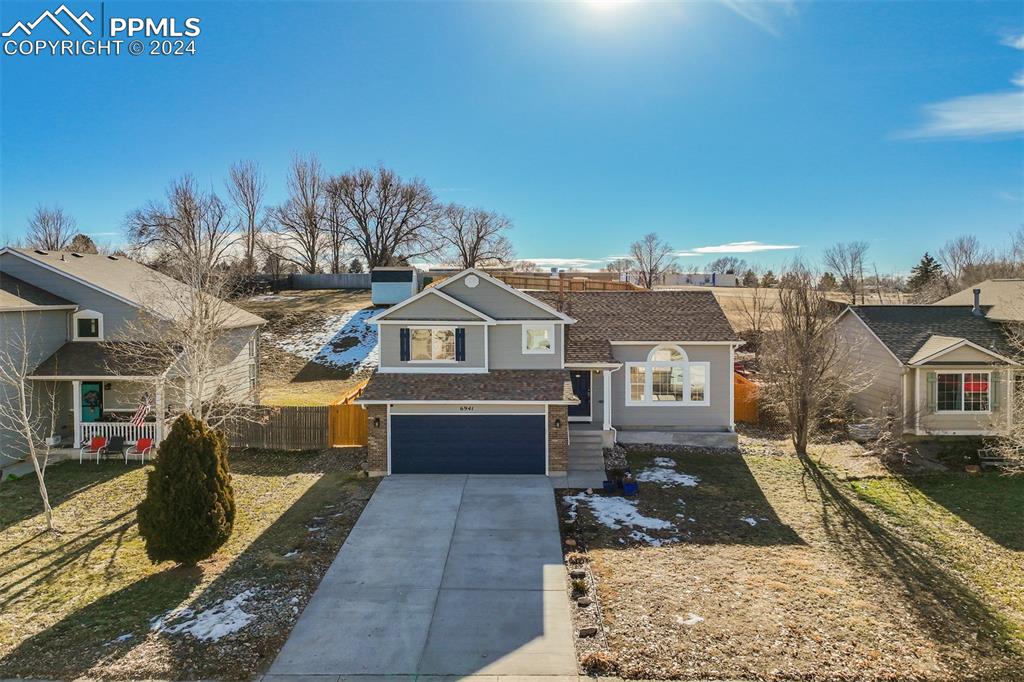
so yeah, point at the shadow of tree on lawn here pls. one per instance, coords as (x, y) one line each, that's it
(111, 636)
(945, 605)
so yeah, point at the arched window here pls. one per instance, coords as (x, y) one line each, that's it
(667, 378)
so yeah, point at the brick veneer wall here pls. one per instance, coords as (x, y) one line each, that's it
(377, 440)
(558, 439)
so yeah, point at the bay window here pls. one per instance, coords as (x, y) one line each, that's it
(667, 378)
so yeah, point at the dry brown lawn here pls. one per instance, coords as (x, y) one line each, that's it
(776, 572)
(84, 602)
(287, 378)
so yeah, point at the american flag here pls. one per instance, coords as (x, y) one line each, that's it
(140, 414)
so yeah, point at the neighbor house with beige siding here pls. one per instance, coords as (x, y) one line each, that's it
(478, 377)
(70, 316)
(941, 370)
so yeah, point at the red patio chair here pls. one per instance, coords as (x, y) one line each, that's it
(93, 448)
(143, 447)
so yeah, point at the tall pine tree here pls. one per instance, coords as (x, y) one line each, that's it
(924, 273)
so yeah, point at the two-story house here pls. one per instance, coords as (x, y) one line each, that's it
(69, 318)
(478, 377)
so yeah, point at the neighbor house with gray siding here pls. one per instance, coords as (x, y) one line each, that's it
(941, 370)
(478, 377)
(71, 317)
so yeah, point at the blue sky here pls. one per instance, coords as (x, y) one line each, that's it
(588, 124)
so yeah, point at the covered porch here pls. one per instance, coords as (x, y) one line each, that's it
(94, 393)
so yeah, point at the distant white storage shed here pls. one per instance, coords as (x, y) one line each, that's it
(392, 285)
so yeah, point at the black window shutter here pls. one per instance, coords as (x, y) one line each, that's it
(403, 344)
(460, 344)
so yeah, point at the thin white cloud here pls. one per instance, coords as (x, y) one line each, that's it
(989, 114)
(735, 247)
(763, 13)
(1016, 42)
(566, 262)
(998, 113)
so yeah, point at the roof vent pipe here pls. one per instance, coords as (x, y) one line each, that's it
(977, 304)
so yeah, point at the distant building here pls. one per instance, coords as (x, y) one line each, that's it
(704, 279)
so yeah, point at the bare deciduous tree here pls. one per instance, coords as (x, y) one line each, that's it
(727, 264)
(652, 257)
(300, 221)
(525, 266)
(334, 226)
(620, 266)
(386, 216)
(191, 227)
(50, 229)
(756, 307)
(804, 367)
(246, 188)
(28, 409)
(473, 237)
(1011, 444)
(959, 256)
(848, 261)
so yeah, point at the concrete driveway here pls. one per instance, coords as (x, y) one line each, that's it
(442, 575)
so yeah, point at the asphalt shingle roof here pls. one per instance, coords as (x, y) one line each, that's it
(1006, 296)
(605, 316)
(497, 385)
(131, 281)
(92, 359)
(905, 328)
(16, 294)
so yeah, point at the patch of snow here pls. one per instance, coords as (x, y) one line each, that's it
(749, 520)
(664, 462)
(314, 529)
(614, 512)
(344, 341)
(691, 619)
(292, 553)
(667, 477)
(117, 640)
(649, 540)
(210, 625)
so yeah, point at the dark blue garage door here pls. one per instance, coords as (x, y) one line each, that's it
(467, 444)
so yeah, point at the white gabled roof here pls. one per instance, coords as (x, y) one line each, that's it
(512, 290)
(432, 292)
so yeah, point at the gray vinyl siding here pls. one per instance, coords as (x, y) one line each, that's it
(506, 349)
(495, 301)
(714, 416)
(432, 308)
(877, 375)
(390, 349)
(116, 314)
(47, 331)
(233, 376)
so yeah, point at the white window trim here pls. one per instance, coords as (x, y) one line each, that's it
(432, 361)
(963, 393)
(86, 315)
(649, 384)
(549, 327)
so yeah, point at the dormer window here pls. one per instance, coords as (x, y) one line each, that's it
(539, 338)
(87, 325)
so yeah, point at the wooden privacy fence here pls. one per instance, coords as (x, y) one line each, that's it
(347, 422)
(744, 399)
(563, 284)
(280, 428)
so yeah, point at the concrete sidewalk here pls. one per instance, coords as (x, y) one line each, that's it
(442, 576)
